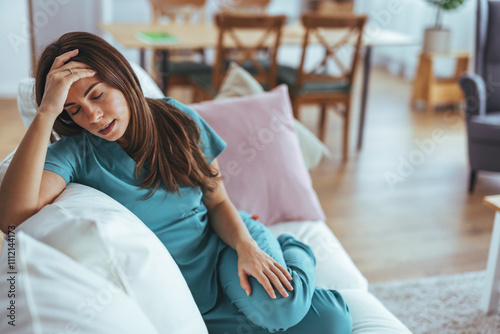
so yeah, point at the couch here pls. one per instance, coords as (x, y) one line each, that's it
(85, 264)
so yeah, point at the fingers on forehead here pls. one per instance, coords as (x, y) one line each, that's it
(77, 64)
(66, 56)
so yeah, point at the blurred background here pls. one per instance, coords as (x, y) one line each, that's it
(396, 218)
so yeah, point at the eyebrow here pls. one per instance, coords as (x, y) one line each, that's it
(84, 94)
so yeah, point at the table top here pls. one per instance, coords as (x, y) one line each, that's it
(451, 53)
(493, 202)
(194, 36)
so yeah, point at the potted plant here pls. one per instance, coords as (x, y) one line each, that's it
(437, 38)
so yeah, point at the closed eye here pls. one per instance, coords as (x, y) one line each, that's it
(98, 96)
(76, 112)
(94, 98)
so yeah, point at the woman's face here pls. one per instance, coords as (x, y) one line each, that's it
(99, 108)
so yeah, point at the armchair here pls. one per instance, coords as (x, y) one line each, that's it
(481, 90)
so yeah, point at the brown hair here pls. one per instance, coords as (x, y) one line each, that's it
(163, 140)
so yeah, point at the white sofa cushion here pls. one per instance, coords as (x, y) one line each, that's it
(98, 232)
(369, 316)
(47, 292)
(334, 268)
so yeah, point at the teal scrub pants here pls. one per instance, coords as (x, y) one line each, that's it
(306, 310)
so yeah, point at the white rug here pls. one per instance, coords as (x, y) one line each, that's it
(439, 305)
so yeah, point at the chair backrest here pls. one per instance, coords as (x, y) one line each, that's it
(242, 38)
(487, 58)
(176, 10)
(335, 7)
(341, 37)
(246, 6)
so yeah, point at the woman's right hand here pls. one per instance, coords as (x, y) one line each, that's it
(59, 81)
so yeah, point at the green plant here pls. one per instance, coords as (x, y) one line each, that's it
(444, 5)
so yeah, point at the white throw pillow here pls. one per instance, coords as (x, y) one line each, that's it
(238, 82)
(44, 291)
(148, 85)
(99, 233)
(26, 102)
(313, 150)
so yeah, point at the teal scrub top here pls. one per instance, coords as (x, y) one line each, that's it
(180, 221)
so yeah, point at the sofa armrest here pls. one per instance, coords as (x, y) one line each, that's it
(475, 94)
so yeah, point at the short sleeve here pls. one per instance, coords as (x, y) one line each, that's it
(63, 158)
(211, 143)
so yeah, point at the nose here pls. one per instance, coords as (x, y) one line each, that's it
(93, 113)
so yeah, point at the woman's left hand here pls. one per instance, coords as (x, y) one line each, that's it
(252, 261)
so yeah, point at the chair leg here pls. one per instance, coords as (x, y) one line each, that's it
(295, 108)
(472, 180)
(323, 120)
(196, 95)
(345, 139)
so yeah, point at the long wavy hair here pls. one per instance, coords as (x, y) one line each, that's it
(163, 140)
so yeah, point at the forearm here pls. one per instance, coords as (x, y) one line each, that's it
(227, 223)
(20, 188)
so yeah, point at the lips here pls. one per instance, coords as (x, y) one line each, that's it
(107, 128)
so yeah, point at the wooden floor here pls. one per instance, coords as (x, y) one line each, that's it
(400, 205)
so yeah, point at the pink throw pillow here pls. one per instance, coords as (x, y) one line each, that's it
(262, 166)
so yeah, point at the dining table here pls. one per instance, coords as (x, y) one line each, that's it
(189, 36)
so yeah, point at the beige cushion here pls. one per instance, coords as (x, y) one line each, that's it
(238, 82)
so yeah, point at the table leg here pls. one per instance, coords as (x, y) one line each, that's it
(164, 70)
(489, 301)
(364, 94)
(142, 58)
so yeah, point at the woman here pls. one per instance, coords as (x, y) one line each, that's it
(158, 158)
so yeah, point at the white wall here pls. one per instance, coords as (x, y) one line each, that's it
(51, 19)
(412, 17)
(14, 46)
(60, 16)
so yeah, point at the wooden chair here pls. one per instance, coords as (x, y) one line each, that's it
(341, 38)
(246, 6)
(178, 9)
(334, 7)
(181, 63)
(241, 39)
